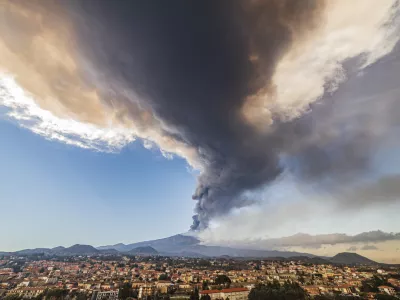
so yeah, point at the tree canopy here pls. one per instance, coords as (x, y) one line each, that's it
(276, 291)
(223, 280)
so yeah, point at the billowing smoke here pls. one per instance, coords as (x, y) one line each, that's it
(241, 89)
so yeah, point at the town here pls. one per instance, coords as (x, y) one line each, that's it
(103, 277)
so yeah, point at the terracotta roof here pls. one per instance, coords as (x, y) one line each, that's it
(232, 290)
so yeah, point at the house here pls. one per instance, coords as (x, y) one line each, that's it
(108, 295)
(232, 293)
(387, 289)
(313, 290)
(395, 282)
(163, 285)
(29, 292)
(344, 289)
(147, 290)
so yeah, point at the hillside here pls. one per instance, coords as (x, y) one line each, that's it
(350, 258)
(80, 250)
(145, 250)
(181, 245)
(174, 243)
(33, 251)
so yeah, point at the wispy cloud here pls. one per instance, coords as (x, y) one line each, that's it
(369, 247)
(352, 248)
(316, 241)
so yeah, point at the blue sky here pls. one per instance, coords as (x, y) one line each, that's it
(54, 194)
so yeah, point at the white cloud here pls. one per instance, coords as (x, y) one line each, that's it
(313, 66)
(23, 108)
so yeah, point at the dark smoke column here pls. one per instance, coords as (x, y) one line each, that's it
(197, 63)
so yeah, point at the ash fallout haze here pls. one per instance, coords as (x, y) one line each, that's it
(281, 116)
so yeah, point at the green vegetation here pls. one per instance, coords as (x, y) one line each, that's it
(126, 291)
(223, 280)
(276, 291)
(385, 297)
(195, 295)
(372, 284)
(164, 277)
(56, 294)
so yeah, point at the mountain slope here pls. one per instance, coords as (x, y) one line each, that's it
(350, 258)
(145, 250)
(33, 251)
(173, 243)
(181, 245)
(216, 251)
(80, 249)
(57, 249)
(119, 247)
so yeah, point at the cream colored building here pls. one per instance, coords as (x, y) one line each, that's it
(232, 294)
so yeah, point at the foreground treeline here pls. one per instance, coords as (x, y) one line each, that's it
(274, 290)
(293, 291)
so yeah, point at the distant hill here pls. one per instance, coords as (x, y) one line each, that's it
(174, 243)
(80, 250)
(187, 245)
(218, 251)
(145, 250)
(318, 261)
(190, 246)
(110, 251)
(119, 247)
(33, 251)
(73, 250)
(350, 258)
(57, 249)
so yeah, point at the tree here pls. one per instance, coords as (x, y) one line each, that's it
(195, 294)
(372, 284)
(77, 295)
(385, 297)
(223, 280)
(12, 297)
(205, 285)
(302, 279)
(276, 291)
(126, 291)
(204, 263)
(163, 277)
(80, 296)
(56, 294)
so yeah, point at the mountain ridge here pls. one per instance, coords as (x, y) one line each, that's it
(351, 258)
(190, 246)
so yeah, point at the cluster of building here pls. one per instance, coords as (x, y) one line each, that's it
(102, 278)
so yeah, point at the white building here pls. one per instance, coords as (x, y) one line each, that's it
(232, 294)
(387, 289)
(108, 295)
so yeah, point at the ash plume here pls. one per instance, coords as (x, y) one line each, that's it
(199, 77)
(228, 85)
